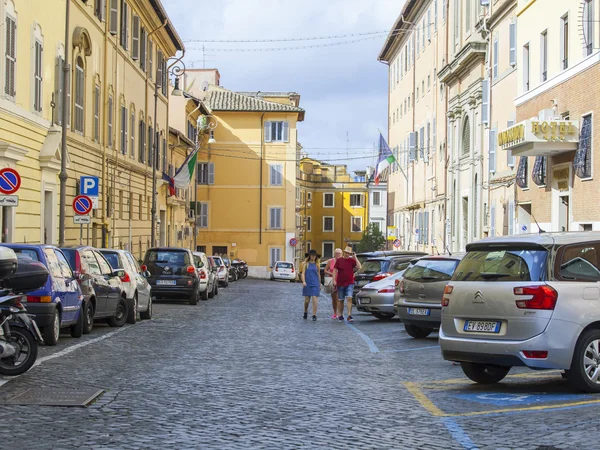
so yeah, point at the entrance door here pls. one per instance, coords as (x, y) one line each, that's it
(563, 213)
(48, 218)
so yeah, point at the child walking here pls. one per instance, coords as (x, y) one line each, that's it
(311, 282)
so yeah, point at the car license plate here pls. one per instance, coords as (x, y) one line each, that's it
(482, 326)
(166, 282)
(364, 300)
(419, 311)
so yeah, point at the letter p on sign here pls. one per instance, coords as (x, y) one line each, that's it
(89, 186)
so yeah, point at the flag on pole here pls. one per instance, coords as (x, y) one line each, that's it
(184, 174)
(386, 157)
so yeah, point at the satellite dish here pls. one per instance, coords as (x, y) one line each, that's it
(205, 86)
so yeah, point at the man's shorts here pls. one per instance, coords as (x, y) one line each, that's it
(345, 292)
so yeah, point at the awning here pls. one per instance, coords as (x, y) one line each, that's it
(540, 138)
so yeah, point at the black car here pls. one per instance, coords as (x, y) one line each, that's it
(375, 269)
(101, 287)
(172, 274)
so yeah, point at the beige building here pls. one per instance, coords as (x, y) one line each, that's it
(415, 51)
(554, 138)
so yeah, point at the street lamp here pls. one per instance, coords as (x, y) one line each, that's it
(176, 69)
(206, 123)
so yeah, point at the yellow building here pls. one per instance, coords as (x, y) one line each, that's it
(116, 51)
(332, 207)
(247, 174)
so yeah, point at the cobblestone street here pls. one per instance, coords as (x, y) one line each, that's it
(244, 370)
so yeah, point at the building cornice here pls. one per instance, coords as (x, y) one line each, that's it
(471, 53)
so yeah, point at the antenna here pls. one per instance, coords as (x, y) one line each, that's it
(540, 231)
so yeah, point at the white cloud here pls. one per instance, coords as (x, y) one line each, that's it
(342, 88)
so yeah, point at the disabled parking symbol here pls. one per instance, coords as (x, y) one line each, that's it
(519, 399)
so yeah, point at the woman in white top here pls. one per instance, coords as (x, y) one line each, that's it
(329, 279)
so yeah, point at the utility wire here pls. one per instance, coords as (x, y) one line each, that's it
(312, 38)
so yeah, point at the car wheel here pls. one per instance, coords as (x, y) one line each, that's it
(77, 329)
(584, 373)
(204, 295)
(194, 298)
(417, 332)
(88, 322)
(484, 373)
(383, 316)
(147, 315)
(120, 317)
(133, 310)
(216, 288)
(51, 333)
(211, 294)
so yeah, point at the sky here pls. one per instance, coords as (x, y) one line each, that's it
(343, 88)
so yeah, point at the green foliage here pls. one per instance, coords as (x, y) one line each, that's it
(372, 240)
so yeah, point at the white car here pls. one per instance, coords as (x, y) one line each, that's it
(208, 279)
(135, 284)
(222, 272)
(283, 270)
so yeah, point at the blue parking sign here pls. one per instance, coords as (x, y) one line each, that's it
(89, 186)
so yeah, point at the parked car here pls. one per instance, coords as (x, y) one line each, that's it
(208, 285)
(376, 269)
(377, 297)
(283, 270)
(241, 267)
(214, 269)
(101, 286)
(222, 272)
(418, 295)
(59, 304)
(362, 257)
(136, 286)
(528, 300)
(172, 273)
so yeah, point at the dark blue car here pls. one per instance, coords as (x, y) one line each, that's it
(59, 304)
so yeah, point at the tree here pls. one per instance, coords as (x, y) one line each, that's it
(372, 240)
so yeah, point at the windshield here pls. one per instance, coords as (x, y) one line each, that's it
(29, 252)
(431, 270)
(502, 265)
(113, 259)
(372, 266)
(285, 265)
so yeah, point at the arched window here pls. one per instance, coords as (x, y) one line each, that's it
(79, 95)
(466, 137)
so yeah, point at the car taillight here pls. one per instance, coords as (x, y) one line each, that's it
(542, 297)
(144, 268)
(125, 278)
(276, 269)
(535, 354)
(447, 290)
(381, 276)
(39, 299)
(401, 287)
(386, 290)
(292, 269)
(191, 269)
(203, 275)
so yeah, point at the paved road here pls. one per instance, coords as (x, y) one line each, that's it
(245, 371)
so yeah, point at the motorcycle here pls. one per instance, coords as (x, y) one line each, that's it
(241, 267)
(19, 335)
(233, 273)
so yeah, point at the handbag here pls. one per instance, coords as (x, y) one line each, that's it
(328, 285)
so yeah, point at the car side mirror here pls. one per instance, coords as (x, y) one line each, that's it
(146, 274)
(78, 276)
(118, 273)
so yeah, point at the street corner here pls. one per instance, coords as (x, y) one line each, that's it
(522, 392)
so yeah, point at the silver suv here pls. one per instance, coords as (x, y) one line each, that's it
(528, 300)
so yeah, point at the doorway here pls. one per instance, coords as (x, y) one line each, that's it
(7, 224)
(219, 250)
(563, 213)
(48, 216)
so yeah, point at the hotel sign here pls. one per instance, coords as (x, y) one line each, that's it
(540, 137)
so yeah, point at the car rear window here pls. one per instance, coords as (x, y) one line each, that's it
(113, 259)
(372, 266)
(29, 252)
(285, 265)
(171, 261)
(502, 265)
(431, 270)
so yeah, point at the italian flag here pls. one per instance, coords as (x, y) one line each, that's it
(386, 157)
(184, 174)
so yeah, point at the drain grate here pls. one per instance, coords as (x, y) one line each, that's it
(53, 397)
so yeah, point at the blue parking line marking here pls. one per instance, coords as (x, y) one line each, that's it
(510, 399)
(459, 434)
(410, 349)
(364, 337)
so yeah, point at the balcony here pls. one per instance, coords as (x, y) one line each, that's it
(540, 138)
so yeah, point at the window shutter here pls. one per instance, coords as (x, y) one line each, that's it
(492, 154)
(493, 221)
(159, 68)
(58, 90)
(114, 16)
(211, 173)
(513, 44)
(485, 101)
(132, 127)
(412, 146)
(11, 56)
(110, 121)
(271, 218)
(428, 142)
(286, 132)
(434, 139)
(267, 131)
(429, 24)
(422, 142)
(143, 44)
(135, 39)
(495, 57)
